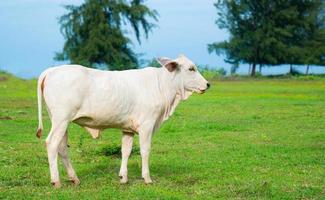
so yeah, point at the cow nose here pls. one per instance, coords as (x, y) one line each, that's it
(208, 85)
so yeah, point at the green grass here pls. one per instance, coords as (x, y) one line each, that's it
(243, 139)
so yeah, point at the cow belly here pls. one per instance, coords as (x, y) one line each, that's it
(94, 124)
(91, 122)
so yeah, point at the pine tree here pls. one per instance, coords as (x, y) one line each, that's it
(265, 32)
(314, 47)
(95, 34)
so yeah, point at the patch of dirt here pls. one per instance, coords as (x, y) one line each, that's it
(3, 78)
(5, 118)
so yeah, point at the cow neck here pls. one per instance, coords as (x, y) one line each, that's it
(170, 87)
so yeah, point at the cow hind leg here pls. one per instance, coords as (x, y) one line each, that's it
(63, 152)
(53, 141)
(127, 140)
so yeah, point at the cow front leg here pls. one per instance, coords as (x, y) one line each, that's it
(63, 152)
(145, 145)
(127, 140)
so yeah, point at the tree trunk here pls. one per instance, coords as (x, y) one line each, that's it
(291, 69)
(307, 70)
(253, 69)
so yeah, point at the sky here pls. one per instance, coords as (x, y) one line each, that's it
(30, 34)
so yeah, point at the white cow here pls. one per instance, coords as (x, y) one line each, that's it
(136, 101)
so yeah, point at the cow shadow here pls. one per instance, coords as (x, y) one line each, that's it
(159, 172)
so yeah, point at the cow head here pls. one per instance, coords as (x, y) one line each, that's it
(186, 74)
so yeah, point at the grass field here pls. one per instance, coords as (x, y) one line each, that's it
(243, 139)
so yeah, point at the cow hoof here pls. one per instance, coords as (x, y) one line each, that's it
(56, 184)
(147, 180)
(75, 181)
(124, 180)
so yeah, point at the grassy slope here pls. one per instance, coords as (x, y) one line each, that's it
(242, 139)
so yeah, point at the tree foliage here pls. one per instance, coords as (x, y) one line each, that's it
(153, 63)
(95, 32)
(269, 32)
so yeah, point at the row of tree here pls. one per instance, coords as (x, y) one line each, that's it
(262, 32)
(276, 32)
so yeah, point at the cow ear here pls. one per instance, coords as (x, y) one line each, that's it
(170, 65)
(163, 60)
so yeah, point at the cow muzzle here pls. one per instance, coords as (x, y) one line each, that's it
(201, 91)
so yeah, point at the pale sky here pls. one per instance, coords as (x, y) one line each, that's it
(30, 35)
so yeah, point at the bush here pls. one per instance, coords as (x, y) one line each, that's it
(211, 74)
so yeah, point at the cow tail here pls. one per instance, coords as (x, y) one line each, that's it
(40, 88)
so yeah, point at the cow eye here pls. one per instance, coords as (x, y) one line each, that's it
(192, 69)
